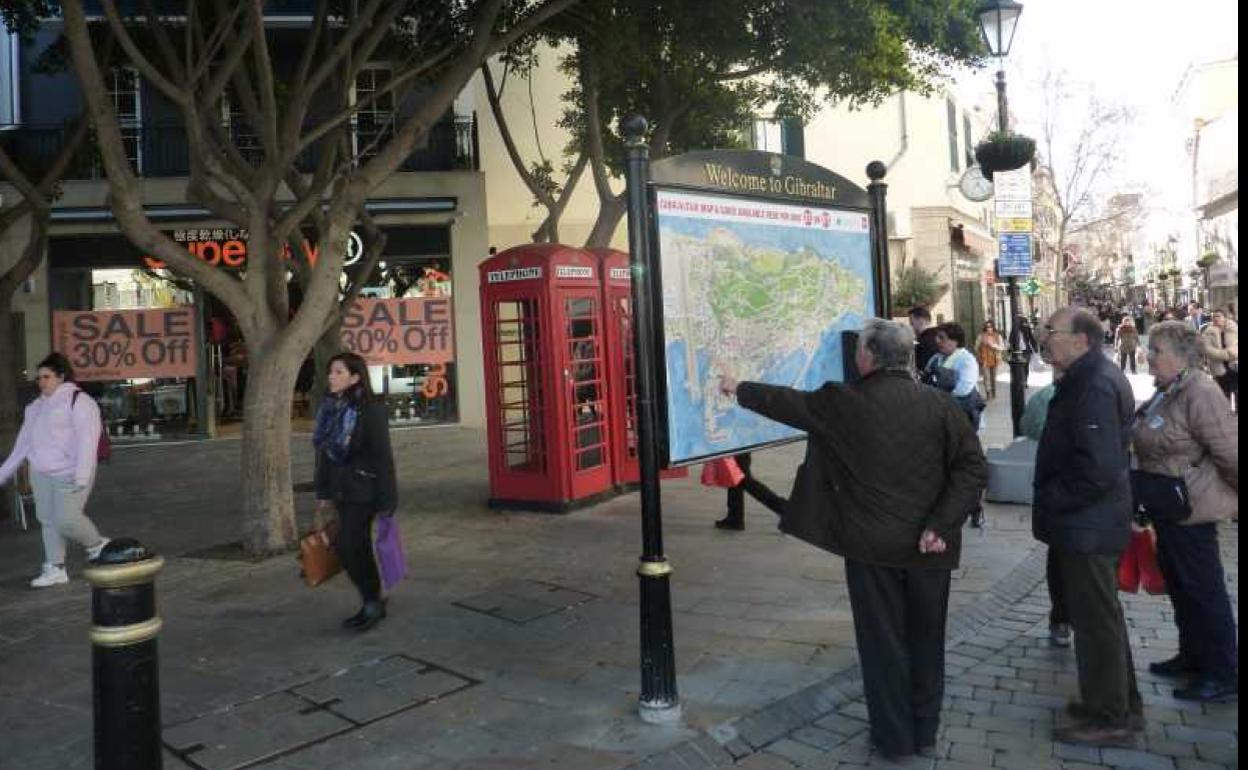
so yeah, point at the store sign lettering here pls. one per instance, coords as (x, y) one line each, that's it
(412, 330)
(127, 344)
(232, 252)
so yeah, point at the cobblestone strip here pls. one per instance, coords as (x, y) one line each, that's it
(1006, 690)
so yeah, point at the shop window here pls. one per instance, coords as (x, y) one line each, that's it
(243, 135)
(516, 336)
(374, 118)
(124, 89)
(953, 134)
(966, 140)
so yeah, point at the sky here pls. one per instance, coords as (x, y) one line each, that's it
(1131, 53)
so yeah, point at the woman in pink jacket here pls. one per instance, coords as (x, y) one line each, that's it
(60, 436)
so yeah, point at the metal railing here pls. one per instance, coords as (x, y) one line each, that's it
(162, 150)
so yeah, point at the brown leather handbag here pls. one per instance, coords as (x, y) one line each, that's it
(318, 557)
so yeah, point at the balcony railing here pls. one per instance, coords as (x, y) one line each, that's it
(163, 151)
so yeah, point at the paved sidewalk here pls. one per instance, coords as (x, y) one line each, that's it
(1005, 691)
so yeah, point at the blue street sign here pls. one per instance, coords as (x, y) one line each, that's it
(1015, 254)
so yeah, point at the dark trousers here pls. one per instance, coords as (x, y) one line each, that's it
(1230, 386)
(899, 622)
(355, 548)
(756, 489)
(1126, 357)
(1058, 615)
(1102, 648)
(1192, 565)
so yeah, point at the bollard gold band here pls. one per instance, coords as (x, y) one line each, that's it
(121, 575)
(123, 636)
(654, 569)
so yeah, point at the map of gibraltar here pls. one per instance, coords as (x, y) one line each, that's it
(758, 291)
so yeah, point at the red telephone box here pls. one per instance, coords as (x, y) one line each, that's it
(545, 378)
(617, 292)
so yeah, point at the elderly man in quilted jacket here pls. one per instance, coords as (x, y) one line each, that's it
(1082, 511)
(892, 470)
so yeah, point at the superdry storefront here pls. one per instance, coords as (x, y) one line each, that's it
(166, 360)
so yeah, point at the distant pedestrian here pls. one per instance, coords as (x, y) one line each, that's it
(1196, 317)
(1185, 431)
(892, 469)
(1082, 511)
(924, 336)
(1126, 343)
(60, 438)
(355, 474)
(963, 383)
(988, 349)
(1221, 345)
(735, 520)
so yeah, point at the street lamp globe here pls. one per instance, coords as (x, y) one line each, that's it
(997, 21)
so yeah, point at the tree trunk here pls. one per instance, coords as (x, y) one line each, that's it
(609, 216)
(267, 490)
(10, 410)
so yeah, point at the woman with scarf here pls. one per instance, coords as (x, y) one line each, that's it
(1186, 436)
(355, 474)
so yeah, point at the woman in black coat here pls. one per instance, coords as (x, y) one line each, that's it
(355, 473)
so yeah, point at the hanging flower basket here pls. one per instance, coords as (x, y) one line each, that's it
(1208, 259)
(1004, 151)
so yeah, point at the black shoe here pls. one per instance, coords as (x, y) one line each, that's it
(1176, 666)
(1208, 691)
(977, 519)
(372, 613)
(728, 522)
(355, 620)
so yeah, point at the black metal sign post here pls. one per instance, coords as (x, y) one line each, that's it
(877, 190)
(659, 703)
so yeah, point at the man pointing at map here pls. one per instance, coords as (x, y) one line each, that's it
(892, 470)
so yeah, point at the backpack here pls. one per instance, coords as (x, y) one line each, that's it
(103, 450)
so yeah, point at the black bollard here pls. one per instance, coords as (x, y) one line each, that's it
(124, 667)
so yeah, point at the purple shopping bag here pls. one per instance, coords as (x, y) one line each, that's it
(390, 559)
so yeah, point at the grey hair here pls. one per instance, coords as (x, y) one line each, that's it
(890, 343)
(1181, 338)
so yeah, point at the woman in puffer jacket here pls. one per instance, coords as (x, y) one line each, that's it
(1187, 431)
(60, 437)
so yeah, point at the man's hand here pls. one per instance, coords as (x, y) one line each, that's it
(930, 542)
(727, 385)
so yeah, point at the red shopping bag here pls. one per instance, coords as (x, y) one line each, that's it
(1129, 568)
(1145, 544)
(723, 472)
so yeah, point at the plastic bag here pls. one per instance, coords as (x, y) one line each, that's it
(1146, 558)
(391, 561)
(723, 472)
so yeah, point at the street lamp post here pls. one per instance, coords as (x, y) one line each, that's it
(997, 21)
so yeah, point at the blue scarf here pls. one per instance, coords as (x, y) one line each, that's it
(335, 422)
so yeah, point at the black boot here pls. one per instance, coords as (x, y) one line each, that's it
(355, 620)
(372, 613)
(735, 523)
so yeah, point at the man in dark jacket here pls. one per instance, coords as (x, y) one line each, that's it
(1082, 511)
(892, 470)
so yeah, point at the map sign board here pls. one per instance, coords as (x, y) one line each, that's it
(755, 289)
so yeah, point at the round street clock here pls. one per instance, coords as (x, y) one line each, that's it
(974, 185)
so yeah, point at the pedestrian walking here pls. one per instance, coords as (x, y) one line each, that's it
(1221, 345)
(60, 438)
(1185, 432)
(355, 474)
(1126, 343)
(961, 381)
(735, 520)
(899, 532)
(1082, 511)
(988, 349)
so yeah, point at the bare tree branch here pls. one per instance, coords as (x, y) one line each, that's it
(136, 57)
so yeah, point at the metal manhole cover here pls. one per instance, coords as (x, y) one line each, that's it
(281, 723)
(524, 601)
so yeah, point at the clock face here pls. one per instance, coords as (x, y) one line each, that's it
(974, 186)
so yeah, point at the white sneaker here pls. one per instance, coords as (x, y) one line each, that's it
(93, 552)
(51, 576)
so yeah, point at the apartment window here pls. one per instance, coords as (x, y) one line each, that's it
(243, 135)
(123, 89)
(953, 135)
(785, 136)
(374, 120)
(966, 140)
